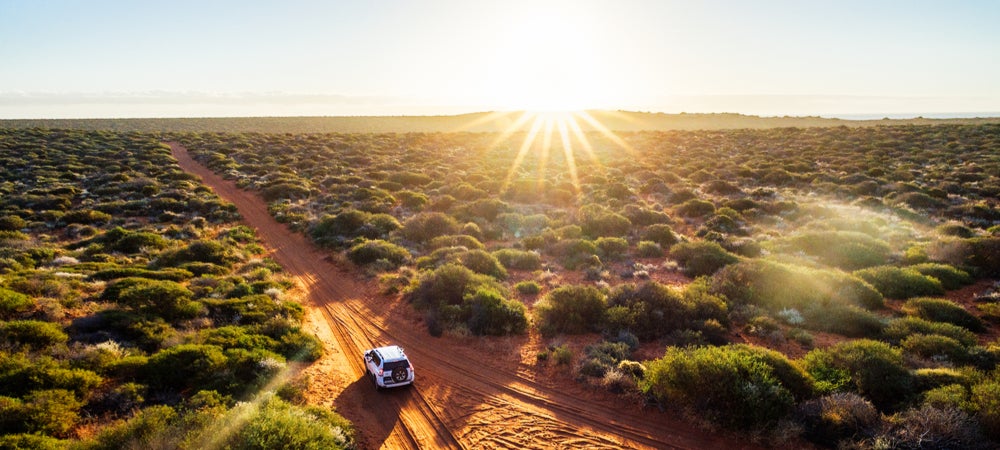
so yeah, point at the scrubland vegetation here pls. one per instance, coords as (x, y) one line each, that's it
(801, 280)
(135, 312)
(786, 283)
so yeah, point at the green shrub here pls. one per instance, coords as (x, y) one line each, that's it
(605, 224)
(201, 251)
(986, 401)
(571, 309)
(169, 274)
(572, 253)
(777, 286)
(33, 334)
(20, 375)
(653, 310)
(12, 223)
(844, 249)
(187, 366)
(13, 303)
(480, 261)
(611, 248)
(899, 329)
(514, 259)
(848, 320)
(702, 257)
(164, 298)
(736, 386)
(871, 368)
(458, 240)
(32, 441)
(86, 216)
(649, 249)
(695, 208)
(603, 357)
(943, 310)
(491, 314)
(950, 277)
(835, 418)
(894, 282)
(528, 287)
(935, 346)
(425, 226)
(661, 234)
(277, 424)
(53, 412)
(981, 254)
(369, 252)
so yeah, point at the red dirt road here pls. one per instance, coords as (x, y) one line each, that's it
(470, 392)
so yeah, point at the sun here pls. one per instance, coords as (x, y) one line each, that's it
(547, 61)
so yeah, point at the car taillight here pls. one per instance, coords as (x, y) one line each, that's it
(380, 372)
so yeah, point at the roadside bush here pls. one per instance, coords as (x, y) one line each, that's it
(167, 299)
(950, 277)
(943, 310)
(20, 375)
(491, 314)
(169, 274)
(369, 252)
(702, 257)
(893, 282)
(986, 401)
(201, 251)
(571, 309)
(514, 259)
(737, 386)
(871, 368)
(33, 334)
(480, 261)
(187, 366)
(602, 357)
(277, 424)
(899, 329)
(930, 426)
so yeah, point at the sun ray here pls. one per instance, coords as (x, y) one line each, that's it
(529, 139)
(546, 148)
(488, 117)
(582, 138)
(568, 151)
(525, 116)
(606, 132)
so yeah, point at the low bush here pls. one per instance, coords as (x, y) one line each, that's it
(457, 240)
(871, 368)
(573, 253)
(839, 418)
(32, 334)
(13, 303)
(661, 234)
(943, 310)
(894, 282)
(454, 295)
(611, 248)
(848, 250)
(931, 426)
(980, 254)
(425, 226)
(777, 286)
(571, 309)
(695, 208)
(901, 328)
(187, 366)
(514, 259)
(935, 347)
(653, 310)
(847, 320)
(985, 400)
(491, 314)
(169, 274)
(369, 252)
(602, 357)
(528, 287)
(702, 257)
(201, 251)
(648, 249)
(481, 261)
(950, 277)
(736, 386)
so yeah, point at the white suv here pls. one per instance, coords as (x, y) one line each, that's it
(388, 367)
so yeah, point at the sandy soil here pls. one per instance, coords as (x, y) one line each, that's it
(470, 392)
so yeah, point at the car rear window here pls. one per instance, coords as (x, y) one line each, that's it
(390, 365)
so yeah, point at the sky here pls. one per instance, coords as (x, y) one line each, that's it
(104, 58)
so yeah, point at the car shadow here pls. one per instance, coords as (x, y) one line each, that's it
(378, 407)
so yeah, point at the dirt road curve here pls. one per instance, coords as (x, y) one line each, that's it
(471, 393)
